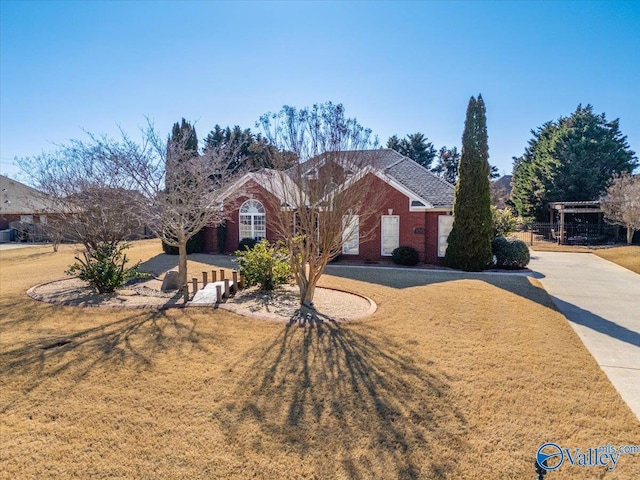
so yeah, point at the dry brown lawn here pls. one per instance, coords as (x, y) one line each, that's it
(627, 256)
(555, 247)
(454, 377)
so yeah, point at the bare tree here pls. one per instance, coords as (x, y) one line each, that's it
(179, 188)
(327, 197)
(621, 203)
(93, 204)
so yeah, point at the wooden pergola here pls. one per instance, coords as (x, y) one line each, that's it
(588, 206)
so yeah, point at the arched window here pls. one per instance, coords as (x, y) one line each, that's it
(252, 220)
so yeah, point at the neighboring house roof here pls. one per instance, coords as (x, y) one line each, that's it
(19, 199)
(504, 182)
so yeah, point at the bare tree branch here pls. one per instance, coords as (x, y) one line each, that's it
(92, 203)
(327, 196)
(621, 203)
(180, 188)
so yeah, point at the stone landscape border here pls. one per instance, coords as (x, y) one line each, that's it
(229, 306)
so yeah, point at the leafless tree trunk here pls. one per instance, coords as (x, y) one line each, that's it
(107, 190)
(179, 189)
(326, 198)
(621, 203)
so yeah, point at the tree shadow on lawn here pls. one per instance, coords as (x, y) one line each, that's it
(518, 284)
(132, 340)
(349, 400)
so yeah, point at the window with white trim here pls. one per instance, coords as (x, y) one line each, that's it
(26, 219)
(351, 234)
(445, 224)
(390, 233)
(252, 220)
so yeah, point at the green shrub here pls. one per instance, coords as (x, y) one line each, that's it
(247, 243)
(264, 265)
(194, 245)
(104, 267)
(510, 252)
(504, 221)
(405, 256)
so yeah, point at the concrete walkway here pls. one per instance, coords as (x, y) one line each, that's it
(14, 245)
(601, 300)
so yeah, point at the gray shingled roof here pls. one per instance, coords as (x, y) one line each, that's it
(17, 198)
(405, 171)
(418, 179)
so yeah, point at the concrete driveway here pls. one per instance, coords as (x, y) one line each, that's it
(601, 300)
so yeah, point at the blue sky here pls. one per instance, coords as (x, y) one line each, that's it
(399, 67)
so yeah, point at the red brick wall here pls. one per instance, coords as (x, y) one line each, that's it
(417, 229)
(5, 220)
(371, 249)
(233, 229)
(431, 238)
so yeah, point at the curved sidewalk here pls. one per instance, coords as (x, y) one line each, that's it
(601, 300)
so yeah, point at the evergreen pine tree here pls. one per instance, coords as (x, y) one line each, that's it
(570, 159)
(470, 239)
(416, 146)
(185, 130)
(181, 146)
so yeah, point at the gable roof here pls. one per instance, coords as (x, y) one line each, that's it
(18, 199)
(271, 180)
(438, 193)
(415, 177)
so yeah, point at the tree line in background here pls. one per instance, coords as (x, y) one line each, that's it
(573, 158)
(417, 147)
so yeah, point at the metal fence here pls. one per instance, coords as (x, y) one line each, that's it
(539, 233)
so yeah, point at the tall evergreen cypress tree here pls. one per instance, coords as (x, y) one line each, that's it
(470, 239)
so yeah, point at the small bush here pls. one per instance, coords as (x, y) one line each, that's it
(510, 252)
(264, 265)
(336, 258)
(247, 244)
(104, 267)
(194, 245)
(405, 256)
(504, 221)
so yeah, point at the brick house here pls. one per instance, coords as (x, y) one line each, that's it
(24, 207)
(416, 210)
